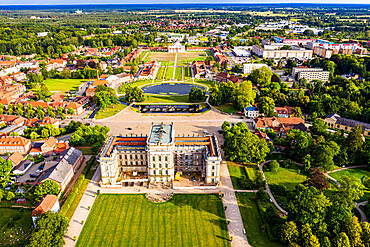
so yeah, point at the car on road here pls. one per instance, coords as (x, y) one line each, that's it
(205, 132)
(129, 128)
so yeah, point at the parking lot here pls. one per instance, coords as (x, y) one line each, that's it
(32, 170)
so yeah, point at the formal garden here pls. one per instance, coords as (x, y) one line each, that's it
(132, 220)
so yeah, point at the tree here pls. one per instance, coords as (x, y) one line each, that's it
(354, 231)
(104, 96)
(296, 112)
(365, 226)
(325, 242)
(63, 116)
(196, 94)
(1, 194)
(51, 227)
(244, 95)
(70, 111)
(308, 239)
(324, 153)
(266, 105)
(341, 240)
(47, 187)
(5, 167)
(273, 166)
(40, 114)
(43, 92)
(289, 232)
(134, 93)
(34, 135)
(308, 205)
(318, 127)
(317, 179)
(10, 195)
(307, 163)
(261, 76)
(241, 145)
(350, 188)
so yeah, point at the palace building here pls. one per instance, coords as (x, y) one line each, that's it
(159, 157)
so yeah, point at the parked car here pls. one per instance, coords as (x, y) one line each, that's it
(220, 131)
(193, 179)
(34, 175)
(38, 171)
(129, 128)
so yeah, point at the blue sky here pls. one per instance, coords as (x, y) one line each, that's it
(60, 2)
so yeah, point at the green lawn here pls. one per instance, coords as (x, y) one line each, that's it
(62, 85)
(228, 108)
(110, 111)
(178, 73)
(169, 73)
(253, 222)
(236, 172)
(132, 220)
(285, 176)
(355, 172)
(12, 236)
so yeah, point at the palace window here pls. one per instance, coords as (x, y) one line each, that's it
(160, 158)
(165, 158)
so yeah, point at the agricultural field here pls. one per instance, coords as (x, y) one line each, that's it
(62, 85)
(132, 220)
(15, 225)
(252, 221)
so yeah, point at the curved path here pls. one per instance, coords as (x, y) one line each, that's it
(341, 169)
(363, 215)
(268, 188)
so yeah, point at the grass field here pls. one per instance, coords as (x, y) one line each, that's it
(285, 176)
(178, 73)
(110, 111)
(228, 108)
(132, 220)
(355, 172)
(166, 99)
(236, 172)
(62, 85)
(252, 221)
(169, 73)
(12, 236)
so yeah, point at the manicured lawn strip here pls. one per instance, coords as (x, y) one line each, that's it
(132, 220)
(110, 111)
(62, 85)
(252, 221)
(178, 73)
(8, 234)
(187, 72)
(236, 172)
(160, 73)
(169, 73)
(285, 176)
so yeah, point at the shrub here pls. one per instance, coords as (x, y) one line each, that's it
(273, 166)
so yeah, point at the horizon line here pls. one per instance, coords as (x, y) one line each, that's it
(219, 3)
